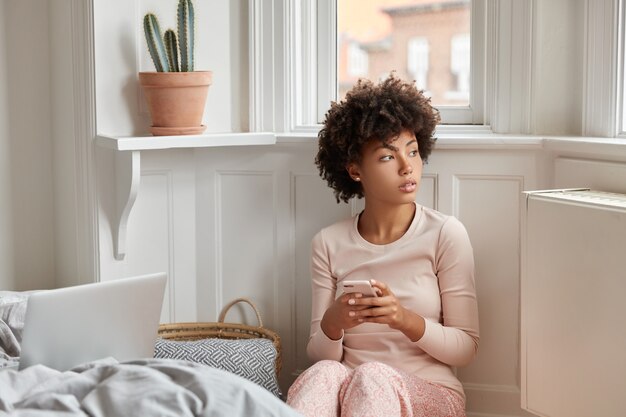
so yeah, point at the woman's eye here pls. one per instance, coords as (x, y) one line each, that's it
(413, 153)
(386, 158)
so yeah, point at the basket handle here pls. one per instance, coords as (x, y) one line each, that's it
(235, 301)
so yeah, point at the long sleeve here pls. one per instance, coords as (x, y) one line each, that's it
(430, 269)
(455, 340)
(323, 287)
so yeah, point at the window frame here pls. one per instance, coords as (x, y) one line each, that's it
(293, 67)
(621, 68)
(473, 114)
(602, 98)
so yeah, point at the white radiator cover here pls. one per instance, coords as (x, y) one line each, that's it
(573, 301)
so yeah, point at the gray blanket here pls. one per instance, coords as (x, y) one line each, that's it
(151, 387)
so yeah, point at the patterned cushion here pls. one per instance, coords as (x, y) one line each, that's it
(253, 359)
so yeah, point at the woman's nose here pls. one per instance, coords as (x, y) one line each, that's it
(406, 168)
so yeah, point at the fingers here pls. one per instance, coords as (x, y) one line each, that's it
(346, 297)
(381, 288)
(370, 301)
(374, 312)
(344, 310)
(358, 308)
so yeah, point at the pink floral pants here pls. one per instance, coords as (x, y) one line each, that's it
(329, 389)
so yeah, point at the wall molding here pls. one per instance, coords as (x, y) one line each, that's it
(84, 108)
(219, 235)
(457, 178)
(596, 174)
(435, 180)
(293, 176)
(171, 263)
(495, 400)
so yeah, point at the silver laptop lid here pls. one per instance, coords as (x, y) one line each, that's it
(69, 326)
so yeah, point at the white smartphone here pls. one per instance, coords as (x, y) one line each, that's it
(362, 286)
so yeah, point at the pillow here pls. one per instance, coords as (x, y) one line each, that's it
(12, 312)
(253, 359)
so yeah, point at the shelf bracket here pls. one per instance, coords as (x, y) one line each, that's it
(127, 178)
(127, 152)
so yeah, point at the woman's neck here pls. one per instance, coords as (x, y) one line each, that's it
(382, 225)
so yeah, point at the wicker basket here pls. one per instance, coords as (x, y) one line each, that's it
(221, 330)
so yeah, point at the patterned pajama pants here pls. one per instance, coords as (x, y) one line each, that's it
(329, 389)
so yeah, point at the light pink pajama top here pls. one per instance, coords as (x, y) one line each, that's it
(430, 269)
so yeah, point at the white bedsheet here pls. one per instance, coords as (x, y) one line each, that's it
(150, 387)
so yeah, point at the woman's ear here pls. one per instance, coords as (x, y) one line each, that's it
(353, 171)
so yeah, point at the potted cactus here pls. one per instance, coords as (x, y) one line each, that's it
(175, 93)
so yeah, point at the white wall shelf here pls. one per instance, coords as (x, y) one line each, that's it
(128, 166)
(141, 143)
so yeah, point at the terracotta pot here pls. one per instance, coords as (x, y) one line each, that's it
(176, 101)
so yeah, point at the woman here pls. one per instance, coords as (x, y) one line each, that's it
(389, 355)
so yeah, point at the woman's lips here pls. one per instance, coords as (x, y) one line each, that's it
(409, 186)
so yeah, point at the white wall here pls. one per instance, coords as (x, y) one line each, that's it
(26, 166)
(7, 267)
(62, 72)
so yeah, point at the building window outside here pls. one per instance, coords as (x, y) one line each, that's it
(357, 60)
(417, 57)
(460, 65)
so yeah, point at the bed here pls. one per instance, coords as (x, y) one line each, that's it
(106, 387)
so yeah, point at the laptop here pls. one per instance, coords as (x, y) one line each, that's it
(70, 326)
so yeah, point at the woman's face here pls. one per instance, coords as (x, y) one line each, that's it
(389, 173)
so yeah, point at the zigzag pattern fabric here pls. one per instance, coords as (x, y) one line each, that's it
(253, 359)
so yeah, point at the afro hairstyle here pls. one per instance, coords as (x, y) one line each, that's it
(371, 112)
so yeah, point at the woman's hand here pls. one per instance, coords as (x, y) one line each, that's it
(386, 309)
(342, 315)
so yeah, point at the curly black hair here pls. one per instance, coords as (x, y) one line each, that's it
(371, 112)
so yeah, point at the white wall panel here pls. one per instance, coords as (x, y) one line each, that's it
(150, 233)
(314, 207)
(489, 206)
(161, 231)
(428, 191)
(241, 206)
(245, 242)
(598, 175)
(249, 194)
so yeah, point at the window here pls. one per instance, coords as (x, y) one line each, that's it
(428, 42)
(300, 48)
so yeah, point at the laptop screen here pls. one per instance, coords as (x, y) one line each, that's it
(70, 326)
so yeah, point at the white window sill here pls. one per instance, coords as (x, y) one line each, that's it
(479, 137)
